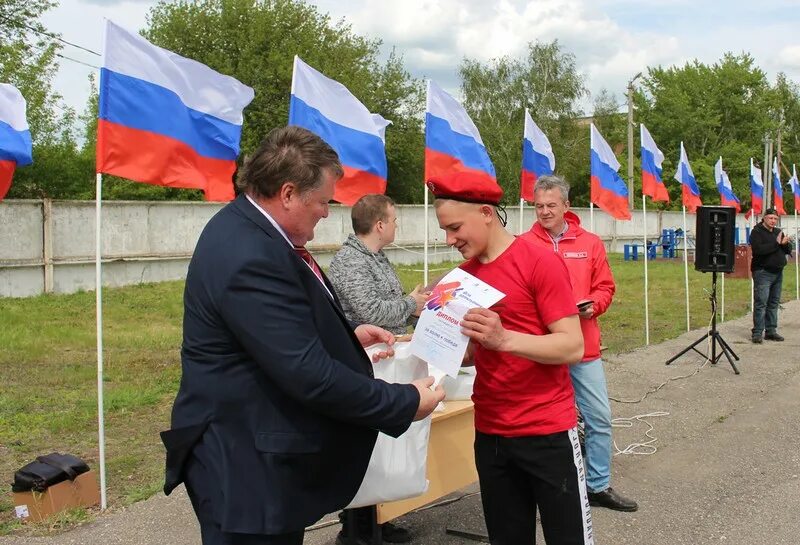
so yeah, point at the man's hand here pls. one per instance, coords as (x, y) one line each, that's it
(371, 334)
(420, 296)
(428, 399)
(484, 326)
(784, 239)
(586, 311)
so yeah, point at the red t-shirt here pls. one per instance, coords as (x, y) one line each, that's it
(515, 396)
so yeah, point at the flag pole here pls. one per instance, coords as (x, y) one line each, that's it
(591, 216)
(521, 211)
(646, 259)
(99, 307)
(722, 316)
(686, 267)
(796, 271)
(425, 246)
(752, 301)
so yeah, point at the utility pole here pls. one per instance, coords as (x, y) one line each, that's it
(630, 139)
(768, 186)
(765, 168)
(778, 149)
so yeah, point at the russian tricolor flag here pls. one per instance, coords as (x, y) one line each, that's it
(689, 191)
(537, 157)
(726, 196)
(608, 190)
(452, 141)
(777, 188)
(652, 158)
(165, 119)
(327, 108)
(795, 185)
(15, 138)
(756, 190)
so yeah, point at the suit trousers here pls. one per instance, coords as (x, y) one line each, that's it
(520, 474)
(201, 495)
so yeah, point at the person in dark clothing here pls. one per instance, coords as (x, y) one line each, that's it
(770, 247)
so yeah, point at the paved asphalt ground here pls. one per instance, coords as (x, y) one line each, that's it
(727, 469)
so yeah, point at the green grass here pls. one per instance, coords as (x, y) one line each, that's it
(48, 368)
(623, 324)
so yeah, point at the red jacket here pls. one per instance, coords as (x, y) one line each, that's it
(585, 256)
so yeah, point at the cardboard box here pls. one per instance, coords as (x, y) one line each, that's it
(35, 506)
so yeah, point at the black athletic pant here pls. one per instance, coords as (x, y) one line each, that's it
(520, 474)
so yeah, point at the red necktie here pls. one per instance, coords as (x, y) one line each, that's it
(306, 256)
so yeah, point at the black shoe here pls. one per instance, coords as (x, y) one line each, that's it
(773, 337)
(610, 499)
(757, 339)
(342, 539)
(395, 534)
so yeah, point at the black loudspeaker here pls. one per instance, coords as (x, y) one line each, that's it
(714, 244)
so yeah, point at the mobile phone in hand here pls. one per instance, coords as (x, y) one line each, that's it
(583, 305)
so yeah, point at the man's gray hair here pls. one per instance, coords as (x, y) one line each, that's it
(552, 181)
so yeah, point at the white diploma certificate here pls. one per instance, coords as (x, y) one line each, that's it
(437, 338)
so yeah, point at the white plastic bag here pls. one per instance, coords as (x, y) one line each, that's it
(397, 468)
(460, 387)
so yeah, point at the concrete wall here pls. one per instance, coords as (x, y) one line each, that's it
(49, 246)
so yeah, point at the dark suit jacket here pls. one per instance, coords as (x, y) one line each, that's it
(277, 400)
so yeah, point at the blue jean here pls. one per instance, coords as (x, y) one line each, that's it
(591, 395)
(766, 299)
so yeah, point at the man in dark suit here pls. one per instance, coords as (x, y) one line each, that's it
(278, 411)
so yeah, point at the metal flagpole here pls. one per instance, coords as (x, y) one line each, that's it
(796, 251)
(425, 244)
(722, 316)
(521, 210)
(752, 300)
(99, 306)
(591, 216)
(646, 259)
(686, 267)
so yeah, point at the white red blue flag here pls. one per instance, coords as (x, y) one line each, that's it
(794, 184)
(652, 158)
(327, 108)
(756, 190)
(608, 190)
(777, 188)
(537, 157)
(165, 119)
(726, 195)
(452, 141)
(689, 190)
(15, 138)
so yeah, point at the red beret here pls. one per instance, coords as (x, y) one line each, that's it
(467, 187)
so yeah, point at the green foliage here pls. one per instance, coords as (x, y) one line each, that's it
(724, 109)
(28, 60)
(547, 83)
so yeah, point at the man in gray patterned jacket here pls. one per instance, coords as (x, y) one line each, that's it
(362, 276)
(371, 293)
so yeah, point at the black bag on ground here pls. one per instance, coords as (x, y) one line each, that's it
(47, 471)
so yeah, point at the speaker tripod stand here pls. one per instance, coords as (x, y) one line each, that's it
(713, 334)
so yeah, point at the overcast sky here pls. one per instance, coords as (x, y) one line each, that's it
(611, 39)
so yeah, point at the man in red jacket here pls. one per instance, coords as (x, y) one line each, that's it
(592, 287)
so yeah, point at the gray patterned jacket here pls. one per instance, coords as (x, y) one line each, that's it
(368, 287)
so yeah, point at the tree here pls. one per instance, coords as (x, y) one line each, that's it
(28, 60)
(723, 109)
(546, 81)
(255, 42)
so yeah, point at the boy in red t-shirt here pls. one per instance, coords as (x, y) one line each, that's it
(526, 445)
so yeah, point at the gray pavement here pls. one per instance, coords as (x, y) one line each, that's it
(727, 468)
